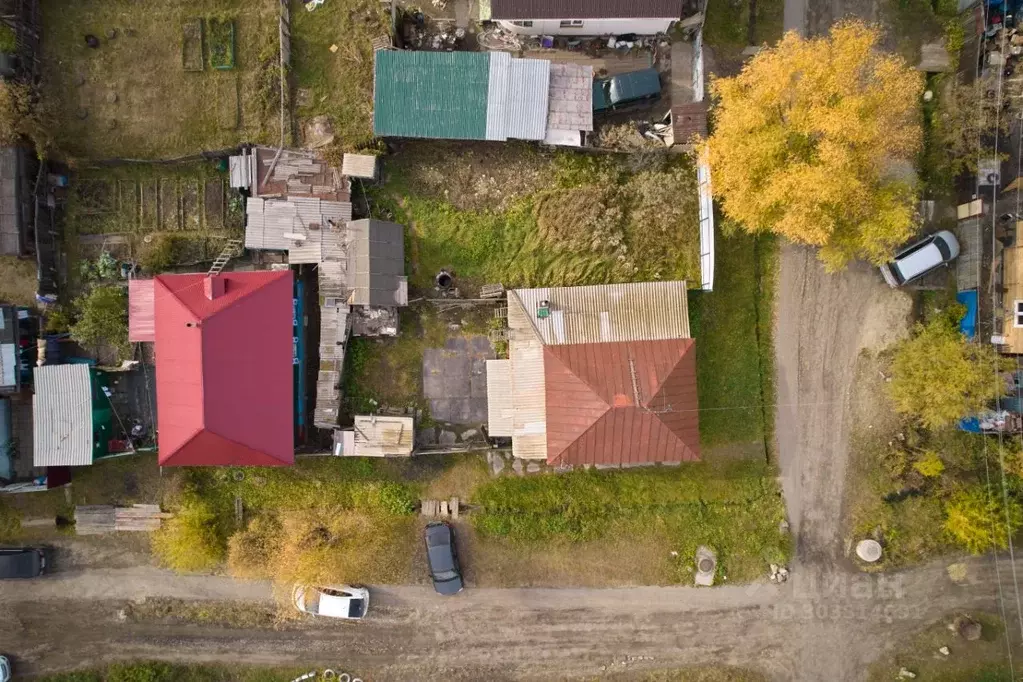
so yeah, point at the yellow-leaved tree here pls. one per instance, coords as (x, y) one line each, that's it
(814, 140)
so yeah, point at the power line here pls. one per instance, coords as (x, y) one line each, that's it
(994, 215)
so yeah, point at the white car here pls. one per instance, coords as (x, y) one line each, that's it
(917, 260)
(5, 669)
(344, 601)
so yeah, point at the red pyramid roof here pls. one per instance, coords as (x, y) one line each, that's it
(622, 403)
(224, 374)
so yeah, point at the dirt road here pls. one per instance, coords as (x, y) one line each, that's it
(505, 634)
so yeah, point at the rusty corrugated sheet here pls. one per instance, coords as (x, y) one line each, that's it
(141, 310)
(607, 312)
(622, 403)
(689, 121)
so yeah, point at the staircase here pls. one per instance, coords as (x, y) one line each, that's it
(231, 249)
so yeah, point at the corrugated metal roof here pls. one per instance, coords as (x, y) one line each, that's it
(322, 223)
(376, 263)
(517, 97)
(382, 436)
(141, 310)
(359, 166)
(267, 221)
(500, 406)
(605, 312)
(571, 97)
(525, 114)
(529, 424)
(497, 95)
(431, 94)
(240, 170)
(622, 403)
(586, 9)
(62, 416)
(8, 365)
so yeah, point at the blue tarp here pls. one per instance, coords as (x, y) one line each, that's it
(968, 325)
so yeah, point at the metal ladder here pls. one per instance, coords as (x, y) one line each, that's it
(229, 252)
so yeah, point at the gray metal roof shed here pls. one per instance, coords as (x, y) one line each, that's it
(376, 263)
(62, 416)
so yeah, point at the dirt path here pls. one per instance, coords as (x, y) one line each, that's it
(823, 322)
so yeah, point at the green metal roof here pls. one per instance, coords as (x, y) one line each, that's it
(431, 94)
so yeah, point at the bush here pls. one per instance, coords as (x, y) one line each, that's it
(249, 552)
(939, 377)
(153, 671)
(192, 540)
(976, 519)
(103, 319)
(929, 464)
(319, 546)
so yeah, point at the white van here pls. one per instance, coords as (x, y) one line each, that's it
(920, 258)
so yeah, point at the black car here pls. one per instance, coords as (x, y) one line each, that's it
(443, 559)
(22, 562)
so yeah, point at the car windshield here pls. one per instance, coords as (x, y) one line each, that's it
(444, 576)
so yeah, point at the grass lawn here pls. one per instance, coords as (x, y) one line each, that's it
(727, 26)
(732, 326)
(338, 84)
(984, 660)
(734, 507)
(131, 97)
(511, 214)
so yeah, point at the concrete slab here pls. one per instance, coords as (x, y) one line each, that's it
(455, 379)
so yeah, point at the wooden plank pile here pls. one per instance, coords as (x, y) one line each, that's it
(442, 508)
(95, 519)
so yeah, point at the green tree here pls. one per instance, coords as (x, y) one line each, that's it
(811, 141)
(940, 377)
(977, 520)
(103, 319)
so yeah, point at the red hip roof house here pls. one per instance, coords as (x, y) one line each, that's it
(601, 375)
(224, 374)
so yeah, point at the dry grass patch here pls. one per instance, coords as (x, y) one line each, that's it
(228, 614)
(460, 479)
(132, 98)
(17, 281)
